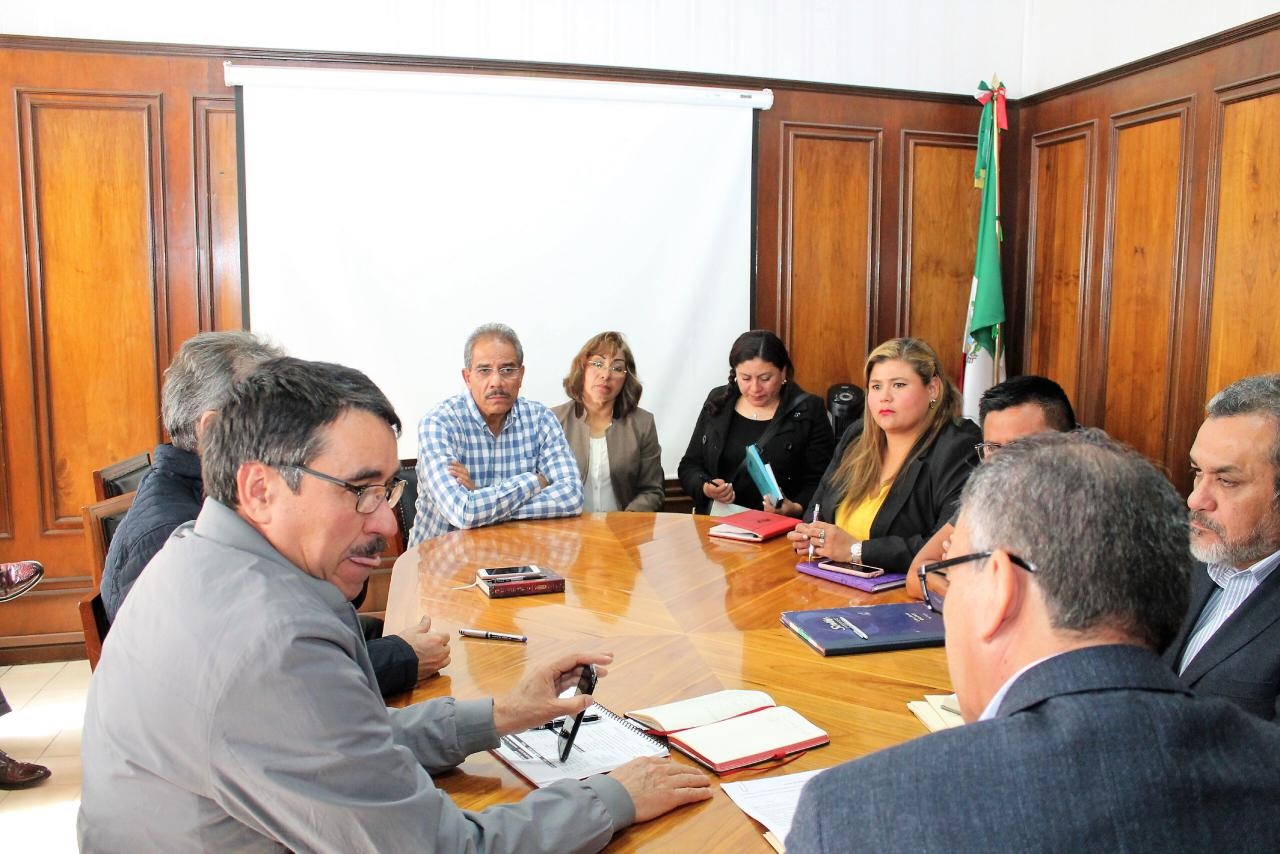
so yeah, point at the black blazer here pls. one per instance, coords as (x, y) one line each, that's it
(924, 496)
(1241, 662)
(798, 451)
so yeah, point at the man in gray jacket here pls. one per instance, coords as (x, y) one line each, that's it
(1071, 572)
(255, 722)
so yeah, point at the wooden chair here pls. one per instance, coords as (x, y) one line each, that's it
(93, 617)
(101, 519)
(119, 478)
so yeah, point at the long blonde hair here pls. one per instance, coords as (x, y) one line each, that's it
(862, 466)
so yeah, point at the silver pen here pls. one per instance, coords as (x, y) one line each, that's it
(502, 636)
(857, 631)
(816, 507)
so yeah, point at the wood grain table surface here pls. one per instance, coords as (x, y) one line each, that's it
(685, 614)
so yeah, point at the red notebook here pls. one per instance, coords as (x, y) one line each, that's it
(549, 582)
(731, 729)
(754, 526)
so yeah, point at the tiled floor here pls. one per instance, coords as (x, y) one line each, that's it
(44, 727)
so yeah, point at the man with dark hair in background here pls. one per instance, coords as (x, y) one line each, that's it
(1071, 573)
(1229, 644)
(1018, 407)
(238, 710)
(197, 381)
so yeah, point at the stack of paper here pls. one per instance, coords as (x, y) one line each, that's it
(937, 711)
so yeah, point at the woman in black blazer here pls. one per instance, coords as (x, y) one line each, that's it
(760, 405)
(898, 472)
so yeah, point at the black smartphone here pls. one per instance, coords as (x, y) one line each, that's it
(586, 685)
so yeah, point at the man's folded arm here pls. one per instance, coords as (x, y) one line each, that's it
(462, 507)
(562, 496)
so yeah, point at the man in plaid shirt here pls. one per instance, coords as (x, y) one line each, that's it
(489, 455)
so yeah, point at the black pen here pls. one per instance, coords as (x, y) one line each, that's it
(559, 722)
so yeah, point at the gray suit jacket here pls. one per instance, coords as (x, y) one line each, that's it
(1099, 749)
(1241, 662)
(235, 709)
(635, 457)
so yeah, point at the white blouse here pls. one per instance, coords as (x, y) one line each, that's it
(597, 489)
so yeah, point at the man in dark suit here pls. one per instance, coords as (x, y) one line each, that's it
(1071, 570)
(1229, 644)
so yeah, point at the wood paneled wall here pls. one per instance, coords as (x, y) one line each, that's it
(1142, 251)
(1148, 237)
(866, 218)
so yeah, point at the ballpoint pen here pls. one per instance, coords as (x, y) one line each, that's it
(815, 519)
(484, 635)
(857, 631)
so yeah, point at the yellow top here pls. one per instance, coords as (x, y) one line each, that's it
(857, 520)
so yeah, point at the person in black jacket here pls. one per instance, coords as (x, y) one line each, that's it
(760, 405)
(897, 473)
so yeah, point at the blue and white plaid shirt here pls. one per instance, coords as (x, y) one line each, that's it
(504, 468)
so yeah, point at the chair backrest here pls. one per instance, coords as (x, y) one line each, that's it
(844, 404)
(93, 617)
(119, 478)
(406, 506)
(101, 519)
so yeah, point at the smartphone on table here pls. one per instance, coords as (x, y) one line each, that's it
(509, 573)
(861, 570)
(586, 685)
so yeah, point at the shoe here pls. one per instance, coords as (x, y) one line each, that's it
(18, 577)
(20, 775)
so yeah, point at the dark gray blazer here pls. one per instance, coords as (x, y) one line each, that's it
(635, 457)
(1098, 749)
(1241, 662)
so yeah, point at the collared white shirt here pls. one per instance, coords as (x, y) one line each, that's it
(1233, 586)
(598, 488)
(994, 705)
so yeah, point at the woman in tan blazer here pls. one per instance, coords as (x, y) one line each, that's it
(614, 441)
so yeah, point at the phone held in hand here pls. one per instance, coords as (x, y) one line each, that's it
(859, 569)
(586, 685)
(509, 573)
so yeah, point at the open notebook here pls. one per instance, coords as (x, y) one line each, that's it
(600, 746)
(731, 729)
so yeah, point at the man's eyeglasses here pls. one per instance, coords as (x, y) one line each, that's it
(986, 449)
(934, 596)
(617, 368)
(506, 372)
(368, 498)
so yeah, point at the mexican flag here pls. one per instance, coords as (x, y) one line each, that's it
(984, 326)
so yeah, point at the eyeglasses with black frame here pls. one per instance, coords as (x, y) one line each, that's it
(934, 597)
(368, 497)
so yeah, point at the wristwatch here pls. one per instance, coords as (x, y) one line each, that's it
(855, 553)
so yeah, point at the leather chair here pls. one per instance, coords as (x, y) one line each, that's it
(406, 506)
(844, 406)
(119, 478)
(101, 520)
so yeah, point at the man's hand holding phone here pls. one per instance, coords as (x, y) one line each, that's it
(537, 699)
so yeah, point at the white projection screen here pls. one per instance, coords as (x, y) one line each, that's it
(387, 214)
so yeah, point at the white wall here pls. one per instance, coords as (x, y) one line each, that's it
(1067, 41)
(927, 45)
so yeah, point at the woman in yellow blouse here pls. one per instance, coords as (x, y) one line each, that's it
(897, 473)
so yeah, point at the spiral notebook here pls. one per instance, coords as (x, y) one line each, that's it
(601, 746)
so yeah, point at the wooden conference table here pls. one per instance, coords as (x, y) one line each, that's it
(685, 614)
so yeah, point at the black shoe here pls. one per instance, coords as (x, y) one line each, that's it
(18, 577)
(20, 775)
